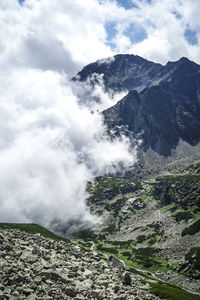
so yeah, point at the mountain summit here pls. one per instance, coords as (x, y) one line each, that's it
(123, 72)
(162, 105)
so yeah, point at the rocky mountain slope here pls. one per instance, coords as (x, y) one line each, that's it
(35, 267)
(162, 105)
(152, 224)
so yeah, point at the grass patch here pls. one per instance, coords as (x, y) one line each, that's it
(187, 178)
(85, 246)
(156, 226)
(33, 229)
(193, 256)
(166, 208)
(151, 239)
(108, 187)
(181, 214)
(87, 235)
(192, 229)
(116, 206)
(110, 229)
(145, 198)
(137, 258)
(169, 292)
(107, 249)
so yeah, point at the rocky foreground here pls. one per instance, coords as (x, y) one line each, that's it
(33, 267)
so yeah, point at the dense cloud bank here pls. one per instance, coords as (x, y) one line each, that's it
(51, 142)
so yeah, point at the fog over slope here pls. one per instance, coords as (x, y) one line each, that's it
(50, 143)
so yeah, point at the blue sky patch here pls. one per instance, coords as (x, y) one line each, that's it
(177, 15)
(191, 37)
(136, 33)
(21, 1)
(111, 33)
(127, 4)
(111, 30)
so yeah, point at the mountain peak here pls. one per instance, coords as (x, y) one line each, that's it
(184, 59)
(122, 72)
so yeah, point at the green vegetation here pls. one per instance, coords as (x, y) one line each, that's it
(144, 256)
(136, 258)
(85, 246)
(180, 195)
(192, 229)
(181, 214)
(141, 238)
(175, 263)
(136, 228)
(185, 178)
(153, 238)
(110, 229)
(108, 187)
(33, 229)
(170, 292)
(87, 235)
(192, 169)
(193, 256)
(145, 198)
(156, 226)
(116, 206)
(178, 213)
(166, 208)
(111, 250)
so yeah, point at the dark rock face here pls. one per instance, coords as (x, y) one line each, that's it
(123, 72)
(163, 113)
(163, 102)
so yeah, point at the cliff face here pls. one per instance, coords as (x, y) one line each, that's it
(164, 113)
(162, 105)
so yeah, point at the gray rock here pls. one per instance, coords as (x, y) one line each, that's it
(126, 279)
(4, 297)
(116, 263)
(28, 257)
(70, 292)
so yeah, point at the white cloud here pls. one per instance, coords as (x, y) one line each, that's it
(50, 147)
(165, 23)
(51, 143)
(61, 35)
